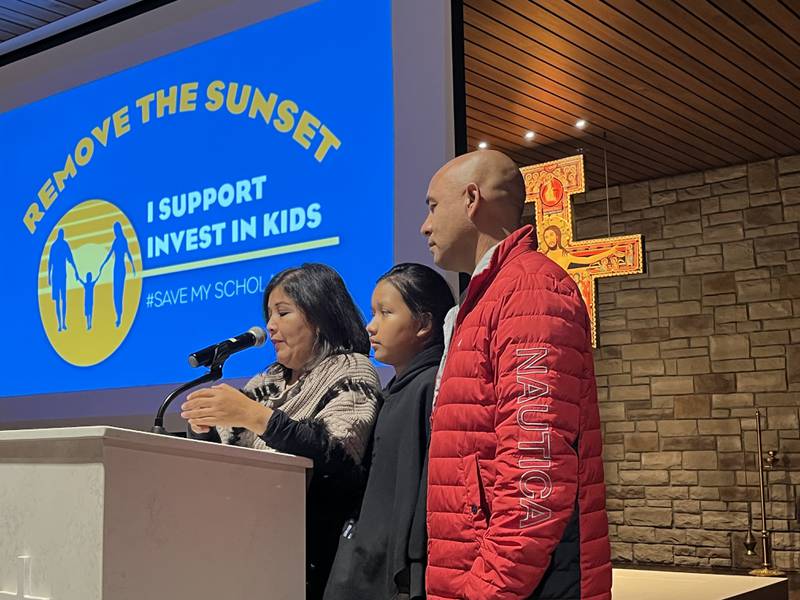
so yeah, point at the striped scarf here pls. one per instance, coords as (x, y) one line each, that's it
(312, 397)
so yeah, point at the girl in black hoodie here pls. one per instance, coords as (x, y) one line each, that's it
(382, 555)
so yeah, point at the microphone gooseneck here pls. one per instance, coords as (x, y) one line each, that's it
(214, 358)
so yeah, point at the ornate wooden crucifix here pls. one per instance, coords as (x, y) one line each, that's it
(549, 185)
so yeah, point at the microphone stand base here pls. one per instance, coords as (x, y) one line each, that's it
(767, 572)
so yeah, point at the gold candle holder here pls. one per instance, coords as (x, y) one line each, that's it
(767, 569)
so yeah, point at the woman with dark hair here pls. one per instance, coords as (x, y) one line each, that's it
(319, 400)
(382, 555)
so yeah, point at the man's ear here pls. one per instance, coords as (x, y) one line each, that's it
(473, 199)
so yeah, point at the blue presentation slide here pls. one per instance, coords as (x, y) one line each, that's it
(144, 213)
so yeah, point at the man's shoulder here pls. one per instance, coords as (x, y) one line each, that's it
(531, 284)
(532, 270)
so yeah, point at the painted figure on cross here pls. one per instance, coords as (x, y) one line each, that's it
(550, 185)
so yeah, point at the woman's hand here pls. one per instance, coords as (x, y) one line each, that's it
(224, 406)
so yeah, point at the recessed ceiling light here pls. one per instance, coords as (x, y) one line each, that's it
(483, 145)
(529, 135)
(581, 124)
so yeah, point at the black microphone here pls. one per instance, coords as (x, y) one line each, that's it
(216, 353)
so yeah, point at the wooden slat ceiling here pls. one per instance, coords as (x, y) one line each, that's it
(675, 86)
(21, 16)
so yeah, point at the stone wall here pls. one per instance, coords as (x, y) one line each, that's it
(689, 350)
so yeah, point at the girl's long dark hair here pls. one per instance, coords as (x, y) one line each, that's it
(425, 292)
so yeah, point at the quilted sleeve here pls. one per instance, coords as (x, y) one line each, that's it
(538, 355)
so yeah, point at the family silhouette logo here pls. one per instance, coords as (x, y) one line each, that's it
(90, 282)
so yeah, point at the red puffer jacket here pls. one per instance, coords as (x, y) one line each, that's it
(516, 498)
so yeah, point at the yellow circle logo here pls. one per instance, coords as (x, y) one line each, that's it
(90, 282)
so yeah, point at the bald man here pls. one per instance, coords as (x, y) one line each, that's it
(516, 499)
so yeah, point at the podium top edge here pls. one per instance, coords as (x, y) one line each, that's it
(117, 436)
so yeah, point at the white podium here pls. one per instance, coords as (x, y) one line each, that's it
(92, 513)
